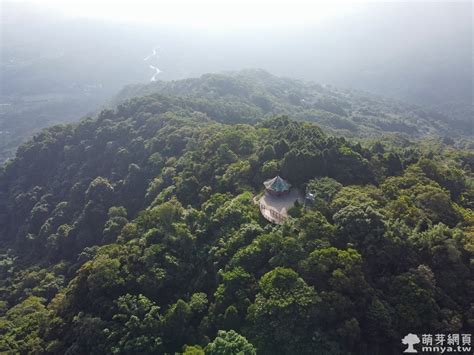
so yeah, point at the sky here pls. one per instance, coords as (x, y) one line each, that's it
(217, 14)
(208, 13)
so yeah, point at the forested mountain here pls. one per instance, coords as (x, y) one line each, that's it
(249, 95)
(21, 116)
(244, 96)
(136, 231)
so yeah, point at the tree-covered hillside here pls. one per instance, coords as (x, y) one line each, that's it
(23, 115)
(253, 94)
(136, 231)
(245, 96)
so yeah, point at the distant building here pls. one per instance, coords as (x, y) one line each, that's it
(277, 186)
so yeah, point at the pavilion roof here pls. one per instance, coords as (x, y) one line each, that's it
(277, 184)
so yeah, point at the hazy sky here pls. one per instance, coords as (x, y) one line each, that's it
(412, 49)
(220, 14)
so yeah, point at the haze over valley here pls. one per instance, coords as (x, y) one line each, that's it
(56, 67)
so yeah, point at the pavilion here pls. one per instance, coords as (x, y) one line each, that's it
(277, 186)
(278, 199)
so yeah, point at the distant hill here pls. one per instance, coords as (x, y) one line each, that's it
(347, 112)
(244, 96)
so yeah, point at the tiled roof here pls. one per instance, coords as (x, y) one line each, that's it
(277, 184)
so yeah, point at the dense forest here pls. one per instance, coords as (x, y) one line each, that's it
(136, 231)
(251, 94)
(243, 96)
(23, 115)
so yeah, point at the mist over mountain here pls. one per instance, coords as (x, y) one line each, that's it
(56, 68)
(417, 52)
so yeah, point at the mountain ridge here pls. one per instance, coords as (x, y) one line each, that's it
(339, 111)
